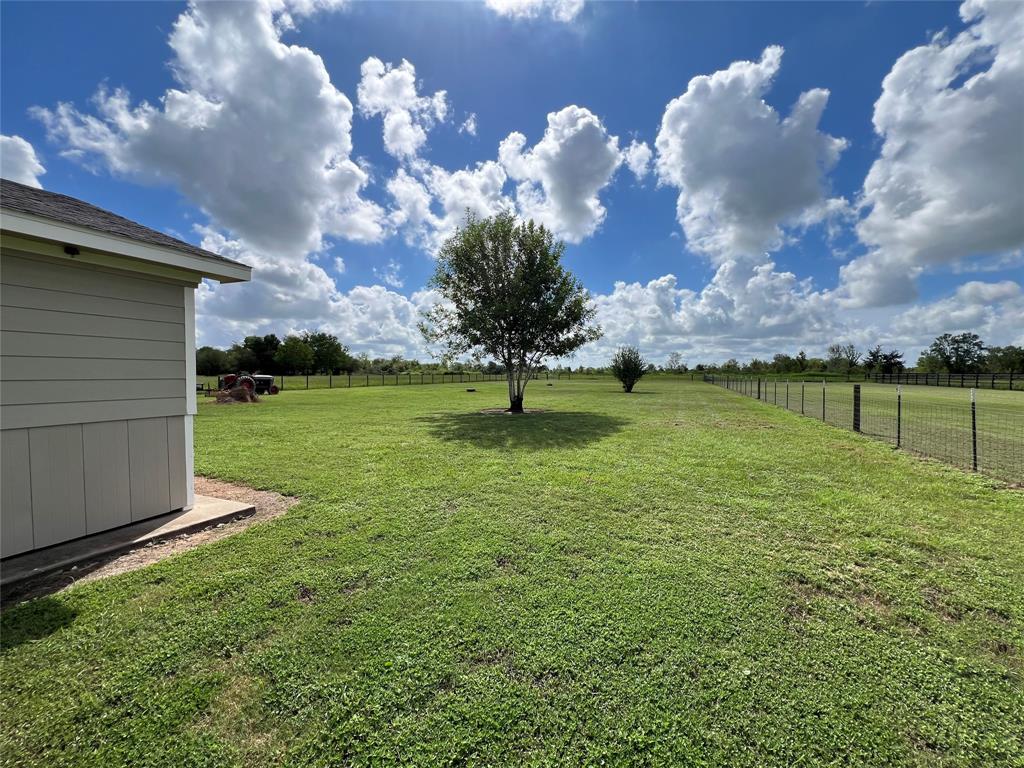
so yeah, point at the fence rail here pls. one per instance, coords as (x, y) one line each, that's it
(962, 428)
(961, 380)
(354, 380)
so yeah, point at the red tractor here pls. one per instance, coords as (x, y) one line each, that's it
(259, 384)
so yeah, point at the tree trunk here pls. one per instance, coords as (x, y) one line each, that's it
(517, 378)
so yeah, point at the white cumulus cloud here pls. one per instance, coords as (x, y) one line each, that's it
(255, 135)
(638, 159)
(469, 125)
(560, 10)
(288, 296)
(995, 311)
(746, 309)
(391, 91)
(18, 161)
(390, 274)
(947, 184)
(430, 206)
(560, 177)
(742, 170)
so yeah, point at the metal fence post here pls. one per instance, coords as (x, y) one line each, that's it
(974, 433)
(758, 387)
(307, 381)
(899, 415)
(775, 393)
(822, 399)
(787, 394)
(856, 407)
(350, 379)
(801, 398)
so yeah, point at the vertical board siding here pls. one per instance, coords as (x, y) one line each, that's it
(147, 458)
(176, 462)
(108, 502)
(58, 483)
(15, 493)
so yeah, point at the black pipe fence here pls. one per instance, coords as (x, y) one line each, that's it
(961, 380)
(353, 380)
(959, 428)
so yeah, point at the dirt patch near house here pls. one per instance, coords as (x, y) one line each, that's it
(268, 506)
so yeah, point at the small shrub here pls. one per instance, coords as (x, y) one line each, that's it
(628, 366)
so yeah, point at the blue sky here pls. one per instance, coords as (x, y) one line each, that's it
(618, 65)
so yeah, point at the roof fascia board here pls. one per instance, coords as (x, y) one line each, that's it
(67, 234)
(54, 252)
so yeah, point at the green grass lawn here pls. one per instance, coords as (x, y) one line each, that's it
(681, 576)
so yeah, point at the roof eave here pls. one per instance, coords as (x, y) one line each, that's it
(44, 228)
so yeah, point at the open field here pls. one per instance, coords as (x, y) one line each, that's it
(681, 576)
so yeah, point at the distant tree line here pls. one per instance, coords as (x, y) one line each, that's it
(320, 352)
(949, 353)
(314, 352)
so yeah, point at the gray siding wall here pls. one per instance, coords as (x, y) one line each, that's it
(92, 400)
(79, 345)
(63, 482)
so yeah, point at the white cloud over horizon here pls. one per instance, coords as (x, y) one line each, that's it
(278, 197)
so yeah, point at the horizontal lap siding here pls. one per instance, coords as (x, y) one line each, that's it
(71, 301)
(81, 345)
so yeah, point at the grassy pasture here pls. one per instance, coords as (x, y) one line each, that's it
(680, 576)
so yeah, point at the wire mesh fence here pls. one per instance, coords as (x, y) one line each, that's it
(975, 430)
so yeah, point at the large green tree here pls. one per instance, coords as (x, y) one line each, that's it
(843, 358)
(959, 353)
(211, 361)
(1008, 359)
(329, 354)
(294, 355)
(255, 354)
(506, 296)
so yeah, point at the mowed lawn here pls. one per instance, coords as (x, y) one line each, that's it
(682, 576)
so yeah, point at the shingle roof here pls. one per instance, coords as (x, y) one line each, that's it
(70, 210)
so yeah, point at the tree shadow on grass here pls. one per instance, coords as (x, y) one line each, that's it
(33, 620)
(530, 430)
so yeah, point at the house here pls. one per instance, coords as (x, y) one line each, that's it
(97, 368)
